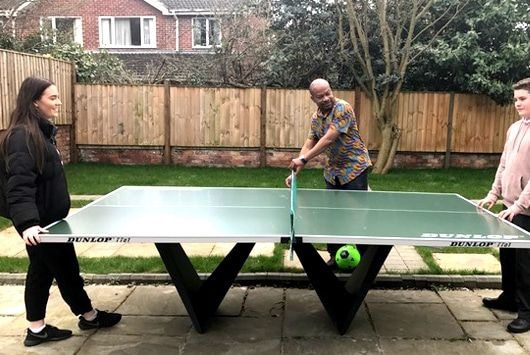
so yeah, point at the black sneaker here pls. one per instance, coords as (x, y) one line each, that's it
(102, 320)
(501, 303)
(49, 333)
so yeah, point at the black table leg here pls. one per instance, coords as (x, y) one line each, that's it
(202, 298)
(342, 300)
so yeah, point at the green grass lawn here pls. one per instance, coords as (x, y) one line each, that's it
(97, 179)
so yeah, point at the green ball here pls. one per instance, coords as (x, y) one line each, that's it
(347, 257)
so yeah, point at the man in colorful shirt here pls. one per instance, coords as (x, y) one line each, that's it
(334, 131)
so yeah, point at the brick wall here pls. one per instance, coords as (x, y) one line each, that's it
(274, 158)
(120, 155)
(185, 36)
(64, 139)
(247, 157)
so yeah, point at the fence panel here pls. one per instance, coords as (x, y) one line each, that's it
(120, 115)
(223, 117)
(479, 124)
(15, 67)
(423, 119)
(288, 114)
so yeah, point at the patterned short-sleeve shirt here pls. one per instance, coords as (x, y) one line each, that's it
(347, 157)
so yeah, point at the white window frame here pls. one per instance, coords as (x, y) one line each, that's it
(177, 33)
(112, 35)
(78, 26)
(208, 19)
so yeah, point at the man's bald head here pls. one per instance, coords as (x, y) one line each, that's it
(322, 95)
(319, 85)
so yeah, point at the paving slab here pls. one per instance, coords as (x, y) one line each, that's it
(9, 326)
(295, 263)
(12, 244)
(244, 334)
(107, 344)
(466, 305)
(82, 249)
(138, 250)
(198, 249)
(457, 347)
(101, 250)
(402, 296)
(14, 346)
(317, 346)
(485, 330)
(153, 300)
(405, 259)
(10, 297)
(177, 326)
(524, 340)
(412, 320)
(264, 302)
(306, 317)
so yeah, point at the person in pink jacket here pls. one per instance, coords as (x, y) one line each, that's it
(512, 185)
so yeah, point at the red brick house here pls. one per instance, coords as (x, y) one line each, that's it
(121, 25)
(135, 30)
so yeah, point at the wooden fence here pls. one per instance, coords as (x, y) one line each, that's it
(15, 67)
(160, 115)
(276, 118)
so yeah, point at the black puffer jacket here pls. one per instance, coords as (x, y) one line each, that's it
(33, 198)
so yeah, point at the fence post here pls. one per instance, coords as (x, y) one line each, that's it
(73, 129)
(167, 122)
(447, 162)
(263, 128)
(50, 70)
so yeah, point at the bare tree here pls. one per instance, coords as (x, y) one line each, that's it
(244, 48)
(238, 52)
(383, 35)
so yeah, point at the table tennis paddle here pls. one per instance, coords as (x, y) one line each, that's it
(292, 213)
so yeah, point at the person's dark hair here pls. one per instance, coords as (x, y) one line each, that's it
(523, 84)
(27, 116)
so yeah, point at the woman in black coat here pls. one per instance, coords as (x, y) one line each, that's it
(35, 194)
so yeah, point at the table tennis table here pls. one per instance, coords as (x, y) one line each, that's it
(169, 216)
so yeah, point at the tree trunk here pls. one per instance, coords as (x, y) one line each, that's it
(390, 134)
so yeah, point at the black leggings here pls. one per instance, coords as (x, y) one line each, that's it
(48, 261)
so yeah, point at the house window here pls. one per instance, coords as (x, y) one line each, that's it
(129, 32)
(64, 29)
(206, 33)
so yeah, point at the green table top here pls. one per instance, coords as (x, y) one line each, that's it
(197, 214)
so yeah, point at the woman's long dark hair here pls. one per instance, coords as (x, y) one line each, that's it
(27, 116)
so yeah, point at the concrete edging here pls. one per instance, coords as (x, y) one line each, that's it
(292, 280)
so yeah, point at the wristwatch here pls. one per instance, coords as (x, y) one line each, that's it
(303, 159)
